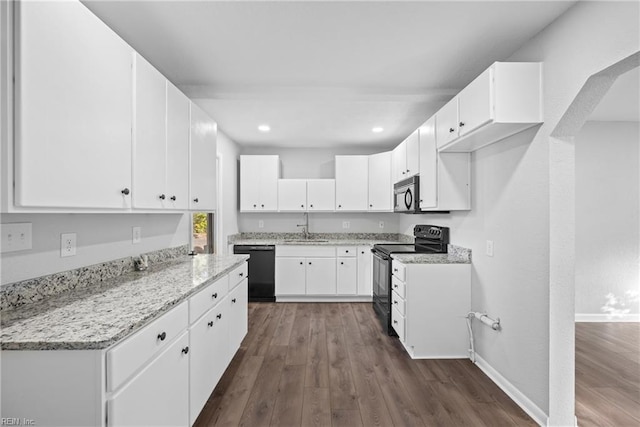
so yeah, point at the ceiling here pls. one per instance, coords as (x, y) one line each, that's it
(323, 74)
(622, 102)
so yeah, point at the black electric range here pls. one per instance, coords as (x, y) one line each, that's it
(427, 239)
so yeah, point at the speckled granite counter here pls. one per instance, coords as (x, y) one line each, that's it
(455, 255)
(318, 239)
(98, 316)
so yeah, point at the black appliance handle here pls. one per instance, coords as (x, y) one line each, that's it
(408, 195)
(255, 248)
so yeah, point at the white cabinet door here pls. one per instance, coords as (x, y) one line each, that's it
(447, 123)
(380, 185)
(474, 103)
(290, 276)
(209, 341)
(428, 165)
(321, 195)
(159, 394)
(178, 127)
(347, 276)
(259, 183)
(292, 195)
(149, 154)
(365, 283)
(202, 161)
(412, 144)
(321, 276)
(238, 316)
(73, 109)
(399, 159)
(352, 183)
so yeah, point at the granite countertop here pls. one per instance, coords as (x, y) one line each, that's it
(317, 239)
(431, 258)
(98, 316)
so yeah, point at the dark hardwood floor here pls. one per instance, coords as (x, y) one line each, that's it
(608, 374)
(324, 364)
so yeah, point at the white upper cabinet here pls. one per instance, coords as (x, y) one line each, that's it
(202, 161)
(73, 109)
(352, 183)
(500, 102)
(444, 177)
(292, 195)
(412, 153)
(380, 185)
(259, 183)
(150, 157)
(399, 162)
(321, 195)
(178, 130)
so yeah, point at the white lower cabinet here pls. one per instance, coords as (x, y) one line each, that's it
(321, 276)
(238, 316)
(317, 272)
(429, 304)
(364, 279)
(208, 339)
(162, 375)
(159, 394)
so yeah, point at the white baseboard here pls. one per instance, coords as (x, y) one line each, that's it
(516, 395)
(584, 317)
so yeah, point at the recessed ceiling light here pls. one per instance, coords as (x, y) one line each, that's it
(264, 128)
(377, 129)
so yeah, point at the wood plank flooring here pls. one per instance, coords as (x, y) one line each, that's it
(330, 364)
(608, 374)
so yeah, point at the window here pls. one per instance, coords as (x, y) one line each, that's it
(202, 233)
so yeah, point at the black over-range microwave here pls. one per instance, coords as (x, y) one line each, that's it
(406, 195)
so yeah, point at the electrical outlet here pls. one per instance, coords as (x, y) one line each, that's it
(260, 224)
(67, 244)
(489, 247)
(346, 224)
(15, 237)
(381, 224)
(136, 235)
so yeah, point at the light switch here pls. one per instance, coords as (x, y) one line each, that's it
(16, 237)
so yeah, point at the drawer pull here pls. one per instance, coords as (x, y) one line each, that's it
(395, 286)
(241, 274)
(214, 295)
(233, 300)
(162, 336)
(300, 262)
(395, 302)
(173, 198)
(395, 321)
(347, 251)
(210, 323)
(341, 263)
(162, 197)
(185, 350)
(395, 269)
(219, 316)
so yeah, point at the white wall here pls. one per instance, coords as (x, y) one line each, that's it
(100, 237)
(227, 211)
(513, 198)
(315, 163)
(607, 219)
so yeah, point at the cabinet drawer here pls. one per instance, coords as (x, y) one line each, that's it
(398, 323)
(347, 251)
(127, 357)
(207, 298)
(398, 286)
(305, 251)
(238, 275)
(397, 302)
(398, 270)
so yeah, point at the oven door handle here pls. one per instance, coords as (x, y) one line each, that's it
(377, 255)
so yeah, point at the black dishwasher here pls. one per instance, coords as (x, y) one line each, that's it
(262, 281)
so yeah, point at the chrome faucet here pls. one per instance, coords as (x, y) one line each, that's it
(305, 226)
